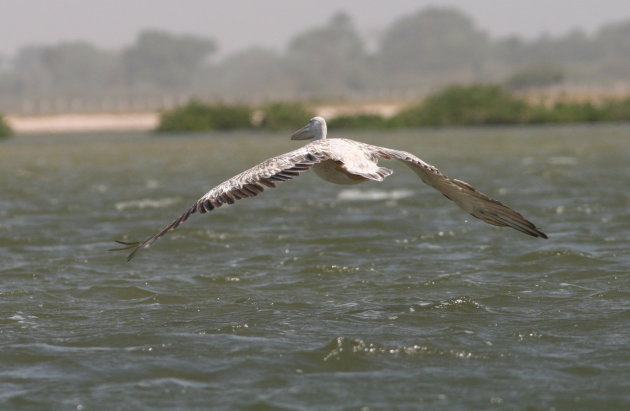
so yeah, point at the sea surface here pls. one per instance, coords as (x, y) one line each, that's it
(378, 296)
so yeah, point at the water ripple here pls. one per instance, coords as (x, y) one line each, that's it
(343, 353)
(314, 296)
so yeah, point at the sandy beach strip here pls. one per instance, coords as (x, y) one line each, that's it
(83, 122)
(86, 122)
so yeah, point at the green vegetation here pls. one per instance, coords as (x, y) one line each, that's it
(582, 112)
(361, 121)
(5, 130)
(489, 105)
(284, 116)
(198, 116)
(465, 105)
(454, 106)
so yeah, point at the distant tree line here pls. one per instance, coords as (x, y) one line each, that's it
(416, 54)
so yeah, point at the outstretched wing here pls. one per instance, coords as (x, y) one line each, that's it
(463, 194)
(249, 183)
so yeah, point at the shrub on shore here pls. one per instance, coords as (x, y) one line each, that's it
(5, 130)
(198, 116)
(465, 105)
(616, 110)
(361, 121)
(453, 106)
(612, 110)
(493, 105)
(284, 116)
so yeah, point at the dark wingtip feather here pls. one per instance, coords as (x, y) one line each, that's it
(226, 193)
(533, 231)
(504, 216)
(128, 245)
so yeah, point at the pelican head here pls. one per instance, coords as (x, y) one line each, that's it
(314, 130)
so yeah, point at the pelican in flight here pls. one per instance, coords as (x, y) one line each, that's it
(342, 161)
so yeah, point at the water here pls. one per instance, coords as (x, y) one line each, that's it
(312, 295)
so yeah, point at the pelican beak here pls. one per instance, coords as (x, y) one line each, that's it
(304, 133)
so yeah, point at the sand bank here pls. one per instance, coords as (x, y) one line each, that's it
(83, 122)
(68, 123)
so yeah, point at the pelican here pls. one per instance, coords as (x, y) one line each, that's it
(342, 161)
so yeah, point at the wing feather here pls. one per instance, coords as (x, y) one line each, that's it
(463, 194)
(247, 184)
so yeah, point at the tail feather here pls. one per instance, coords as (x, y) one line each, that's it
(384, 172)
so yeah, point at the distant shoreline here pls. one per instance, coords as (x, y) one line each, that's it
(148, 121)
(73, 122)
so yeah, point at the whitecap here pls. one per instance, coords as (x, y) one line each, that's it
(562, 161)
(25, 320)
(355, 194)
(146, 203)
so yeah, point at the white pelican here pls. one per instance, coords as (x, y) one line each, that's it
(342, 161)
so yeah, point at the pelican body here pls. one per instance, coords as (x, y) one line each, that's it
(343, 161)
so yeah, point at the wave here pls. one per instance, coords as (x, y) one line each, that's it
(355, 194)
(146, 203)
(562, 161)
(344, 353)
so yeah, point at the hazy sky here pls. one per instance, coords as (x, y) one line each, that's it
(236, 24)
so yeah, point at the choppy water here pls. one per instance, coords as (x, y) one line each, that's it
(312, 295)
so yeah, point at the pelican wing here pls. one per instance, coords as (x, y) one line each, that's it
(463, 194)
(247, 184)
